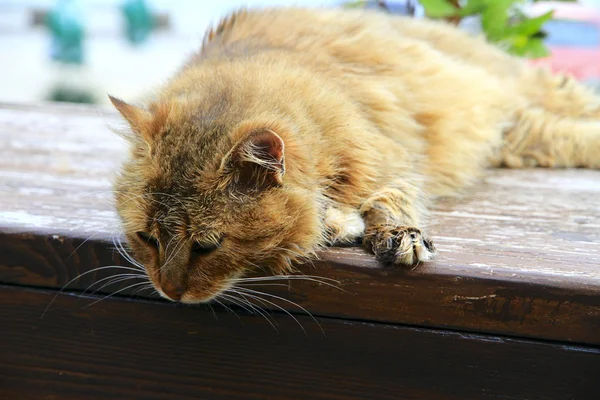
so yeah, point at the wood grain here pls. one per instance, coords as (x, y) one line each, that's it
(509, 307)
(170, 352)
(519, 254)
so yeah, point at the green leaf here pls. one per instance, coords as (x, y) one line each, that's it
(473, 7)
(439, 8)
(536, 48)
(355, 3)
(525, 46)
(494, 18)
(516, 41)
(531, 26)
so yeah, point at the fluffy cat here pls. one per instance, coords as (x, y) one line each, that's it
(294, 128)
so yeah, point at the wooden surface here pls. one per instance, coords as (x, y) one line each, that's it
(169, 352)
(519, 255)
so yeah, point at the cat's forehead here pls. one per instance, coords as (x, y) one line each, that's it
(173, 208)
(189, 149)
(170, 194)
(189, 138)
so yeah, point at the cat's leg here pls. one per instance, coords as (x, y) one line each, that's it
(391, 218)
(560, 94)
(344, 225)
(540, 138)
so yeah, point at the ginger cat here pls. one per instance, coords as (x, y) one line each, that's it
(294, 128)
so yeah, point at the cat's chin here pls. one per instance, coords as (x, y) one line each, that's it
(187, 298)
(192, 295)
(192, 300)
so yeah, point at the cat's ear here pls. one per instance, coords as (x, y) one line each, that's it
(139, 119)
(256, 162)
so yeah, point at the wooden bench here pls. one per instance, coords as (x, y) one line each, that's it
(510, 310)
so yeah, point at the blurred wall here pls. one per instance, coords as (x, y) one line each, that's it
(112, 65)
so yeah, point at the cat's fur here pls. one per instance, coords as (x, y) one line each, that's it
(295, 128)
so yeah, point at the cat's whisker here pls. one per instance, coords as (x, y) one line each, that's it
(213, 311)
(112, 191)
(140, 290)
(264, 312)
(113, 226)
(261, 311)
(167, 195)
(112, 277)
(178, 248)
(169, 244)
(266, 284)
(226, 307)
(274, 277)
(235, 301)
(321, 280)
(114, 280)
(243, 299)
(117, 292)
(254, 307)
(233, 290)
(121, 249)
(82, 243)
(173, 254)
(297, 255)
(117, 279)
(258, 267)
(80, 276)
(132, 196)
(254, 294)
(312, 278)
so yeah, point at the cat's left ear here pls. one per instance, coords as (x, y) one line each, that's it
(139, 119)
(256, 162)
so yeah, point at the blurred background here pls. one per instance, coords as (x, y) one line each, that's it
(79, 50)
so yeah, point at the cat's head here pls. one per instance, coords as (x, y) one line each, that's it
(205, 198)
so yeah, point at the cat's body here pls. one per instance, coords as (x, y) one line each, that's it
(296, 128)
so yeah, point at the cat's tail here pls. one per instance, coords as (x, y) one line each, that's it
(541, 138)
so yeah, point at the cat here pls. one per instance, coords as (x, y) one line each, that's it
(292, 129)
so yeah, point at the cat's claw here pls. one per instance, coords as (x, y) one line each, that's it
(399, 245)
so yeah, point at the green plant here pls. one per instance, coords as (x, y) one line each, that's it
(502, 21)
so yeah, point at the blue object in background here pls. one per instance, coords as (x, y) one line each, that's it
(139, 19)
(66, 26)
(572, 33)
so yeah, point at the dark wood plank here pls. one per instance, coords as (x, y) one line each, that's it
(369, 293)
(519, 255)
(148, 350)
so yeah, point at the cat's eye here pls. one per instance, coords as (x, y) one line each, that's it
(199, 248)
(148, 238)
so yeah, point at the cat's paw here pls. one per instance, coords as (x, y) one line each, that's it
(399, 245)
(343, 226)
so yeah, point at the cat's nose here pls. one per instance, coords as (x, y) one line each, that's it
(174, 292)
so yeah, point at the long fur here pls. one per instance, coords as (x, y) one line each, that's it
(379, 115)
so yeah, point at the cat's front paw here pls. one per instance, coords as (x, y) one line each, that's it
(399, 245)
